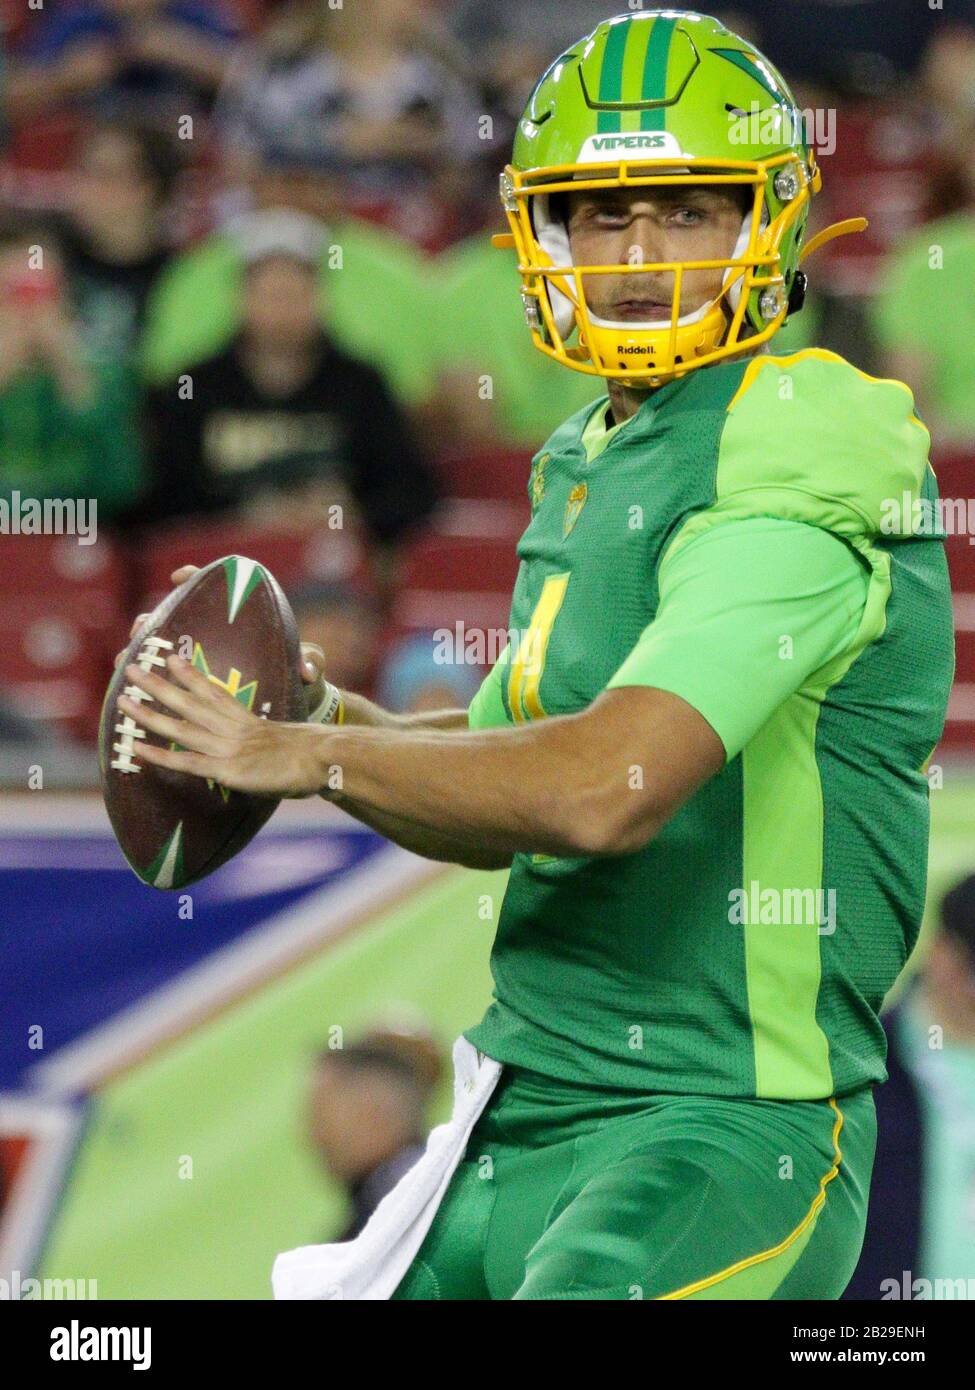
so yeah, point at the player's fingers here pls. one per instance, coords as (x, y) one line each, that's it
(190, 705)
(312, 662)
(181, 575)
(178, 760)
(191, 736)
(208, 692)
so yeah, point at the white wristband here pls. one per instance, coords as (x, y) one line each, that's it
(331, 710)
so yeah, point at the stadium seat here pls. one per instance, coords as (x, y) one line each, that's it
(878, 170)
(955, 470)
(294, 557)
(61, 565)
(451, 578)
(499, 474)
(56, 654)
(63, 614)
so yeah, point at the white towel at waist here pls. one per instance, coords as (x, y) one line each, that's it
(372, 1265)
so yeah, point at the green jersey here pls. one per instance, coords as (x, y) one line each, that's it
(761, 540)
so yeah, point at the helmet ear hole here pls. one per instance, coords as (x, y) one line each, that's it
(797, 292)
(558, 209)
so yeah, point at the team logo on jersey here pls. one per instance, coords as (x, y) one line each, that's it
(538, 480)
(575, 504)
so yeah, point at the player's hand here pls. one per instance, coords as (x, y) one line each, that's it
(312, 657)
(217, 738)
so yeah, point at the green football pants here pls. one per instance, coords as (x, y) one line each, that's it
(573, 1192)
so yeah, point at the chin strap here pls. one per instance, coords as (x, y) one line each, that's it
(852, 224)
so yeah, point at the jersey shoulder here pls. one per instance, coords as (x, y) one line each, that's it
(811, 437)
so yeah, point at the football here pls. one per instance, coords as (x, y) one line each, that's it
(232, 622)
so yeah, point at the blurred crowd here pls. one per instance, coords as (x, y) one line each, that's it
(245, 264)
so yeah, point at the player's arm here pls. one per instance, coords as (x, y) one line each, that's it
(467, 850)
(749, 612)
(563, 786)
(366, 714)
(359, 712)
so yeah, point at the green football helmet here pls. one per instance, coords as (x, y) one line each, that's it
(661, 97)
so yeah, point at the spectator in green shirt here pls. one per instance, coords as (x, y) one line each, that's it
(68, 424)
(374, 289)
(924, 317)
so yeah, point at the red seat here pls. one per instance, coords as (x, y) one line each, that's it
(64, 612)
(294, 557)
(880, 170)
(450, 579)
(55, 662)
(955, 471)
(58, 565)
(490, 473)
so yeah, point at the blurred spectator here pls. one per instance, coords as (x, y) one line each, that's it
(923, 313)
(371, 90)
(367, 1114)
(373, 289)
(345, 621)
(513, 43)
(113, 234)
(924, 318)
(282, 416)
(412, 679)
(946, 95)
(68, 423)
(948, 85)
(160, 59)
(921, 1219)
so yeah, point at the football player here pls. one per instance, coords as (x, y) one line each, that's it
(703, 753)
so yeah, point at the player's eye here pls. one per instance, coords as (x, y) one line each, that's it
(688, 216)
(612, 217)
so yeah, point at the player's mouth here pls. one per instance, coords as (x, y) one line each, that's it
(640, 310)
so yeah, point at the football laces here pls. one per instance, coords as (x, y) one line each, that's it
(128, 730)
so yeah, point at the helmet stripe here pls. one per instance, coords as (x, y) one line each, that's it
(757, 72)
(655, 73)
(611, 74)
(634, 66)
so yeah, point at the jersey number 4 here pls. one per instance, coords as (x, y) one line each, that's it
(528, 664)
